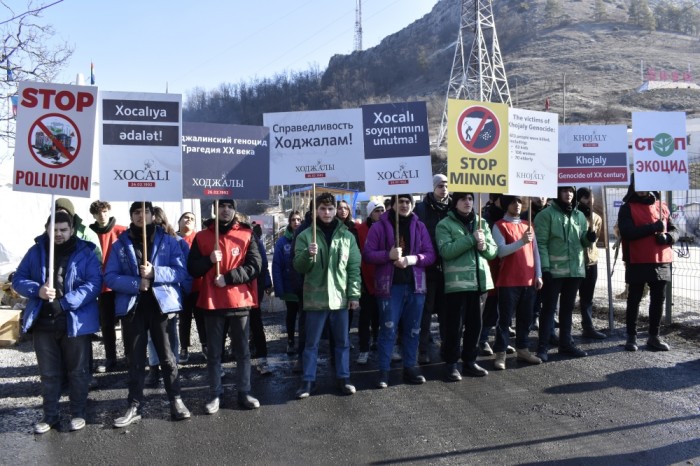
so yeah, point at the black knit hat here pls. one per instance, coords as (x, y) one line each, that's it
(401, 196)
(228, 201)
(508, 200)
(459, 195)
(583, 192)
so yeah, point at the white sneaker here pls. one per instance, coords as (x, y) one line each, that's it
(363, 357)
(396, 354)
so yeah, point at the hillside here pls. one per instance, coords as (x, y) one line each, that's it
(601, 61)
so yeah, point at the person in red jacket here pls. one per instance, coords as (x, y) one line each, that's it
(107, 231)
(519, 276)
(227, 292)
(647, 233)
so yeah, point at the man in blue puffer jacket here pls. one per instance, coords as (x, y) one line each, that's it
(61, 315)
(145, 293)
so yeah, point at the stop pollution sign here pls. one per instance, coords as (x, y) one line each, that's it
(55, 139)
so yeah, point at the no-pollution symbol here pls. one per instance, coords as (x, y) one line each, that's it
(54, 140)
(478, 129)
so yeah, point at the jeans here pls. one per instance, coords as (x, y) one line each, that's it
(135, 329)
(368, 324)
(435, 295)
(514, 301)
(563, 290)
(54, 351)
(107, 323)
(406, 306)
(657, 295)
(315, 322)
(239, 330)
(174, 343)
(585, 293)
(190, 311)
(464, 311)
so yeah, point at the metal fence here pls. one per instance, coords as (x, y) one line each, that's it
(684, 302)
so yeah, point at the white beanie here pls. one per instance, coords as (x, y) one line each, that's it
(371, 205)
(437, 179)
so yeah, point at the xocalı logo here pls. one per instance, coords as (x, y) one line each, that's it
(145, 178)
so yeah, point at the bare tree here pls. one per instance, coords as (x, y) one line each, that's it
(28, 54)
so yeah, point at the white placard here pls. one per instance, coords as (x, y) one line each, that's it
(140, 152)
(659, 148)
(533, 139)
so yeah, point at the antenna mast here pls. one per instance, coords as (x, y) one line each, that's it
(358, 25)
(481, 75)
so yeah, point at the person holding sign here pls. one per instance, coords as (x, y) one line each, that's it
(647, 232)
(107, 230)
(586, 199)
(466, 245)
(61, 314)
(145, 272)
(430, 211)
(400, 283)
(562, 235)
(518, 279)
(328, 256)
(225, 254)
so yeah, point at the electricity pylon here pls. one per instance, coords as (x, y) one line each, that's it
(481, 75)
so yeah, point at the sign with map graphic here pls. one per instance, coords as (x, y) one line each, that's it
(55, 139)
(659, 148)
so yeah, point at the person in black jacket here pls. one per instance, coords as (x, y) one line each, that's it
(647, 233)
(430, 211)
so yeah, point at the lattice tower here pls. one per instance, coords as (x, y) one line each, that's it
(358, 25)
(481, 75)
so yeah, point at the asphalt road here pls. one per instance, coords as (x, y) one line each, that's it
(612, 407)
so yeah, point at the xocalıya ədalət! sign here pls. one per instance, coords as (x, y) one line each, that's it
(55, 139)
(140, 152)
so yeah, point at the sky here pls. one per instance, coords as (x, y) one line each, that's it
(147, 45)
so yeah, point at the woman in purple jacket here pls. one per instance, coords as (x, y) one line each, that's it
(401, 283)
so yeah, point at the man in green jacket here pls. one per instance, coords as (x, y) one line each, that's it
(330, 263)
(562, 235)
(465, 245)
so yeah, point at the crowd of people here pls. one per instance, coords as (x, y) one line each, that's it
(478, 272)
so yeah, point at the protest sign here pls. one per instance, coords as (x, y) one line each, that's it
(140, 154)
(532, 168)
(477, 152)
(55, 139)
(659, 149)
(397, 148)
(320, 146)
(225, 161)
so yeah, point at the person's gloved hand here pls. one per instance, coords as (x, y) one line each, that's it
(546, 276)
(659, 225)
(591, 237)
(661, 239)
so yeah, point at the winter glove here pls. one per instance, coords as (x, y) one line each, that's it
(546, 276)
(662, 239)
(591, 237)
(659, 226)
